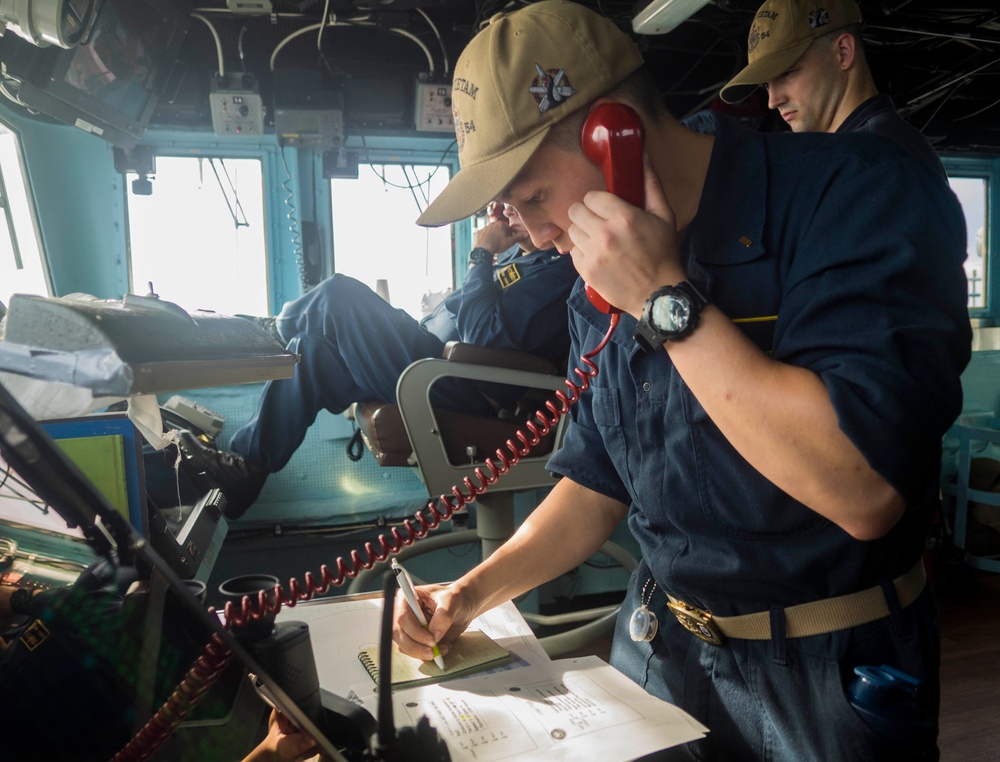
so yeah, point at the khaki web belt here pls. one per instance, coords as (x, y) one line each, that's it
(804, 619)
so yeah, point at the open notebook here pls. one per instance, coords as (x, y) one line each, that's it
(474, 651)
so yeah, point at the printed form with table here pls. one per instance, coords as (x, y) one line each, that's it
(530, 708)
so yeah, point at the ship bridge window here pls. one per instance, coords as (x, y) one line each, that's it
(199, 237)
(22, 266)
(973, 193)
(377, 241)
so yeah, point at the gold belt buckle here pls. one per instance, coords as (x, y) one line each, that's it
(696, 621)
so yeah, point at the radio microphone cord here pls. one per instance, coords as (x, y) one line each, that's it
(216, 656)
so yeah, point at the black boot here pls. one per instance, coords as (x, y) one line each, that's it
(239, 480)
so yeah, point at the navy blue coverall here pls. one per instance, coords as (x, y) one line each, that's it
(836, 253)
(878, 116)
(353, 345)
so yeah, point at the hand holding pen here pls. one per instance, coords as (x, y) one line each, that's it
(410, 594)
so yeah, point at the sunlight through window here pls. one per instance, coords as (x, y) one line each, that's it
(199, 238)
(972, 192)
(376, 238)
(22, 269)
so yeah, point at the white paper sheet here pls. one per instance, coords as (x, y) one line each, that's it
(569, 709)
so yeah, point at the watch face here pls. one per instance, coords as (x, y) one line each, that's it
(671, 312)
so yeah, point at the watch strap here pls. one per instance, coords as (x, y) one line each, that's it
(479, 255)
(647, 336)
(697, 292)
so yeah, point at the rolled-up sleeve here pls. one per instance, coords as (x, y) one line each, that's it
(876, 307)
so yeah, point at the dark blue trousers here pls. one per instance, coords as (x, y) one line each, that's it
(353, 346)
(782, 700)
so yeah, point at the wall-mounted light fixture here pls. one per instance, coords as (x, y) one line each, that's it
(660, 16)
(49, 22)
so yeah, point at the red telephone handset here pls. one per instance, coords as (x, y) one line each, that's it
(612, 139)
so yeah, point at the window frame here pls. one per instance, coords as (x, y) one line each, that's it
(377, 149)
(139, 288)
(444, 248)
(983, 168)
(15, 231)
(312, 202)
(271, 170)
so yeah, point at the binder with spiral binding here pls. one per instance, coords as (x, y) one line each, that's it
(474, 651)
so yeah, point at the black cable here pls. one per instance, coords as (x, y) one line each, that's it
(409, 186)
(470, 548)
(414, 188)
(293, 222)
(386, 721)
(299, 530)
(235, 208)
(945, 99)
(355, 447)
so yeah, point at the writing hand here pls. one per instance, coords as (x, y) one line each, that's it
(445, 610)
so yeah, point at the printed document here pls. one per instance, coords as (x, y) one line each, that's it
(569, 709)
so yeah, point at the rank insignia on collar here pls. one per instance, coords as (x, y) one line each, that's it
(508, 276)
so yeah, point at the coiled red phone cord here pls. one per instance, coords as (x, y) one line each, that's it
(213, 661)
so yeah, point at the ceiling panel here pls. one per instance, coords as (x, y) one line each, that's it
(939, 60)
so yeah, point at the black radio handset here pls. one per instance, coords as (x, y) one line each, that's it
(612, 138)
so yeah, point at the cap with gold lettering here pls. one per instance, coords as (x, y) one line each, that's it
(522, 73)
(781, 32)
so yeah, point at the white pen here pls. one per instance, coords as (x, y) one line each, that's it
(406, 585)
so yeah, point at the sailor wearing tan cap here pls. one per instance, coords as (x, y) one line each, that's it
(809, 56)
(768, 414)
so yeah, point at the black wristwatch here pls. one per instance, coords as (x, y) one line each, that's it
(670, 314)
(20, 599)
(479, 255)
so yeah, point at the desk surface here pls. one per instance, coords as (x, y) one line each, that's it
(535, 709)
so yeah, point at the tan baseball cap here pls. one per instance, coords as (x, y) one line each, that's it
(524, 72)
(780, 33)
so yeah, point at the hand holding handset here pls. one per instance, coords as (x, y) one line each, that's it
(612, 138)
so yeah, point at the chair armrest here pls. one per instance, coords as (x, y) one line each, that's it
(439, 475)
(457, 351)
